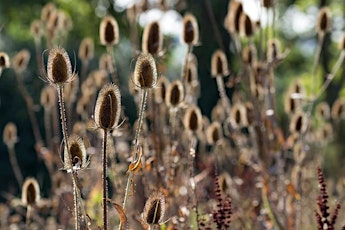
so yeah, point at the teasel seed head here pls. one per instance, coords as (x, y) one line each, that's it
(238, 115)
(161, 89)
(77, 152)
(219, 64)
(36, 29)
(342, 43)
(71, 90)
(47, 11)
(108, 107)
(30, 192)
(214, 133)
(232, 19)
(20, 61)
(175, 94)
(86, 49)
(109, 31)
(298, 123)
(193, 119)
(338, 109)
(145, 72)
(154, 210)
(152, 39)
(273, 50)
(48, 97)
(53, 22)
(218, 113)
(59, 69)
(192, 73)
(247, 27)
(10, 134)
(323, 111)
(249, 55)
(324, 20)
(190, 34)
(106, 63)
(100, 77)
(4, 61)
(267, 3)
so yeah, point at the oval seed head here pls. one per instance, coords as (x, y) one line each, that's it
(219, 64)
(4, 61)
(48, 97)
(108, 107)
(175, 94)
(59, 68)
(152, 39)
(109, 31)
(160, 90)
(192, 73)
(342, 43)
(338, 109)
(145, 72)
(249, 55)
(77, 152)
(86, 49)
(298, 123)
(154, 209)
(218, 113)
(324, 20)
(214, 133)
(10, 134)
(238, 116)
(100, 77)
(20, 61)
(235, 10)
(36, 29)
(273, 50)
(30, 192)
(47, 11)
(267, 3)
(190, 30)
(247, 27)
(106, 63)
(323, 110)
(193, 119)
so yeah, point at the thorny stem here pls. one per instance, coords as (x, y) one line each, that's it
(141, 115)
(104, 179)
(28, 216)
(110, 51)
(223, 96)
(14, 164)
(129, 182)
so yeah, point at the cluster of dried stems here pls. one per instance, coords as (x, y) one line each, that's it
(242, 168)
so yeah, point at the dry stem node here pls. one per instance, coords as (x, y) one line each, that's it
(109, 31)
(145, 72)
(59, 68)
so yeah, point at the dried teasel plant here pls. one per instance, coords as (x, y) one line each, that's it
(78, 153)
(20, 61)
(152, 39)
(154, 210)
(107, 116)
(232, 19)
(214, 133)
(30, 196)
(86, 53)
(299, 123)
(48, 101)
(161, 89)
(249, 54)
(247, 27)
(4, 61)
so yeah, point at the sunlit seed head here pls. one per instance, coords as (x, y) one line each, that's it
(145, 72)
(235, 10)
(341, 44)
(10, 134)
(214, 133)
(190, 34)
(30, 192)
(86, 49)
(238, 115)
(48, 97)
(20, 61)
(175, 94)
(273, 50)
(106, 63)
(324, 20)
(59, 69)
(193, 119)
(160, 89)
(249, 54)
(154, 210)
(47, 11)
(267, 3)
(108, 107)
(36, 29)
(192, 73)
(298, 123)
(77, 151)
(109, 31)
(219, 64)
(247, 27)
(4, 60)
(152, 39)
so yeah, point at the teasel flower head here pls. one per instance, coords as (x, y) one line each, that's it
(20, 61)
(30, 192)
(152, 39)
(218, 113)
(108, 107)
(219, 64)
(238, 115)
(249, 54)
(247, 27)
(325, 132)
(48, 97)
(338, 109)
(299, 123)
(86, 49)
(273, 50)
(324, 21)
(191, 74)
(232, 19)
(193, 119)
(4, 61)
(10, 134)
(267, 3)
(59, 69)
(161, 89)
(77, 152)
(109, 31)
(106, 63)
(47, 12)
(36, 29)
(341, 44)
(175, 94)
(154, 210)
(145, 72)
(323, 111)
(214, 133)
(190, 34)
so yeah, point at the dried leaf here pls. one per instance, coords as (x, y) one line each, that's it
(121, 211)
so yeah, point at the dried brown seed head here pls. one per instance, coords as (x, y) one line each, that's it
(299, 123)
(77, 151)
(232, 19)
(20, 61)
(273, 50)
(109, 31)
(238, 115)
(36, 29)
(48, 97)
(145, 72)
(10, 134)
(193, 119)
(190, 34)
(324, 20)
(219, 64)
(192, 73)
(106, 63)
(108, 107)
(86, 49)
(59, 69)
(47, 11)
(154, 210)
(323, 110)
(338, 109)
(152, 39)
(175, 94)
(218, 113)
(249, 54)
(4, 60)
(30, 192)
(214, 133)
(160, 89)
(247, 27)
(342, 43)
(267, 3)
